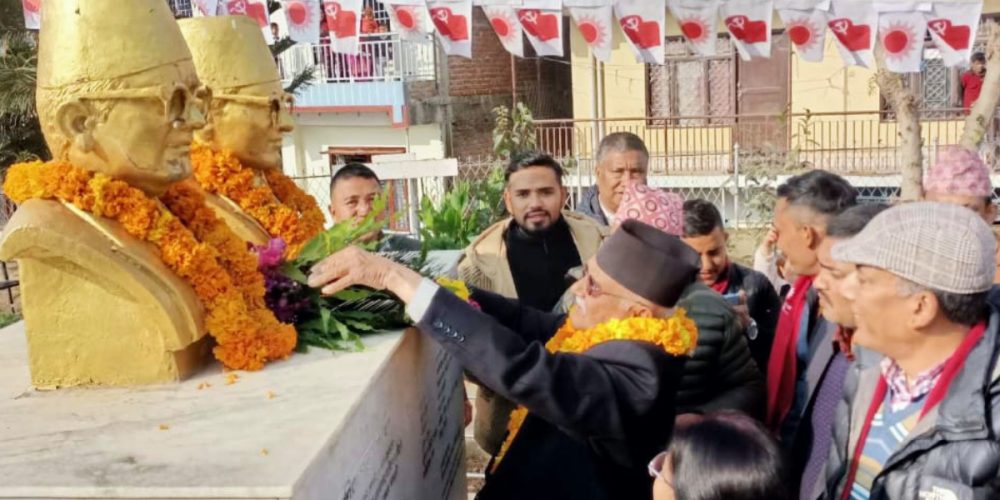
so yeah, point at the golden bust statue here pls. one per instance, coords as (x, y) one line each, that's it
(237, 157)
(114, 282)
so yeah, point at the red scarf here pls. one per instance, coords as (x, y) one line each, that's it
(937, 394)
(782, 366)
(721, 284)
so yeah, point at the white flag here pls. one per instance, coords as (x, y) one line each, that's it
(453, 21)
(409, 19)
(594, 24)
(807, 31)
(507, 27)
(953, 28)
(823, 5)
(343, 21)
(853, 25)
(749, 25)
(303, 20)
(544, 29)
(902, 38)
(32, 14)
(643, 22)
(206, 8)
(697, 19)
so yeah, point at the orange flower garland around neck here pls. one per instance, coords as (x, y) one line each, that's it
(281, 207)
(677, 335)
(192, 242)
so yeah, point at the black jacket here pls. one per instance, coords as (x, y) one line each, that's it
(721, 374)
(953, 452)
(764, 305)
(595, 419)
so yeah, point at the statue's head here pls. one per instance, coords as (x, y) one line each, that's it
(117, 90)
(250, 110)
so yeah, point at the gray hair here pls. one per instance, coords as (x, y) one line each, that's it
(620, 142)
(962, 309)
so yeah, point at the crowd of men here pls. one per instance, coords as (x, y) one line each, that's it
(873, 373)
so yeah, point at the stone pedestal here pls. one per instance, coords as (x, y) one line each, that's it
(385, 423)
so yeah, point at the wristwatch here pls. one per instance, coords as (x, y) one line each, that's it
(752, 330)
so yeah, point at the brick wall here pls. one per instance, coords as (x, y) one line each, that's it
(480, 84)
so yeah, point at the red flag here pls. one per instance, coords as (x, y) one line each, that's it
(409, 18)
(643, 23)
(453, 21)
(953, 28)
(207, 7)
(303, 20)
(853, 25)
(807, 31)
(343, 21)
(749, 25)
(544, 30)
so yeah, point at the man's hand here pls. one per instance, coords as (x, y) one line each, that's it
(742, 311)
(767, 246)
(353, 266)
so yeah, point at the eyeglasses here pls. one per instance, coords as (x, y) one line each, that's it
(655, 467)
(274, 103)
(594, 290)
(177, 99)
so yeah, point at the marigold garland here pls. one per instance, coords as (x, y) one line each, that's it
(280, 206)
(677, 335)
(192, 242)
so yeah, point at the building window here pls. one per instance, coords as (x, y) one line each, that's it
(181, 8)
(690, 85)
(938, 87)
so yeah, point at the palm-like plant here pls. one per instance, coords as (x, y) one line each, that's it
(20, 133)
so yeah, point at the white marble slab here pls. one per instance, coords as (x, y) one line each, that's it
(380, 424)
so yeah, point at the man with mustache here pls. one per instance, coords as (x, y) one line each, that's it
(622, 159)
(595, 388)
(527, 255)
(833, 358)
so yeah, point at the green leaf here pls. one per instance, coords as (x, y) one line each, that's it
(291, 271)
(353, 294)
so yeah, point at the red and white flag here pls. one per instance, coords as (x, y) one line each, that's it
(542, 23)
(303, 20)
(207, 8)
(807, 31)
(594, 23)
(749, 25)
(644, 22)
(697, 19)
(507, 27)
(953, 28)
(343, 21)
(453, 21)
(409, 18)
(902, 38)
(853, 25)
(32, 14)
(256, 9)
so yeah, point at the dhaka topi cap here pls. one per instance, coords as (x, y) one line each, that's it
(649, 262)
(655, 207)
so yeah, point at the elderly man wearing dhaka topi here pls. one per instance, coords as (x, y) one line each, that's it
(595, 390)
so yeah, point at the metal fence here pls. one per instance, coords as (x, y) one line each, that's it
(855, 143)
(382, 57)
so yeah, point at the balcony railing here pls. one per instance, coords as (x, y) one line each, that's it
(863, 143)
(381, 58)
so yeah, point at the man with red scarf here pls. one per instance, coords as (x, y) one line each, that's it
(923, 422)
(805, 205)
(759, 304)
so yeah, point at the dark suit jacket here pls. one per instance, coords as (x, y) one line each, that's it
(595, 419)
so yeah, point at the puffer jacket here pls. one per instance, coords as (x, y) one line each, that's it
(953, 453)
(590, 205)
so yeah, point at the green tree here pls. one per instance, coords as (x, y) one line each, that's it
(513, 131)
(20, 133)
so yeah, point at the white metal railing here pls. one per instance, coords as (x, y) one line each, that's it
(382, 57)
